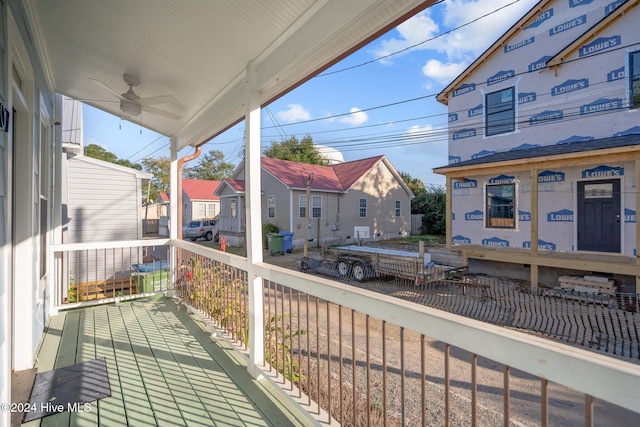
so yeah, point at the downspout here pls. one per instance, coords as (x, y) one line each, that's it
(181, 162)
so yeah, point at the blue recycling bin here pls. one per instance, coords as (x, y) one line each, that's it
(287, 242)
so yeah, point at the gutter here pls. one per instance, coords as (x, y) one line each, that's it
(181, 163)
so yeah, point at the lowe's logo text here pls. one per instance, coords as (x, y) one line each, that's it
(454, 159)
(502, 179)
(564, 215)
(612, 6)
(539, 64)
(453, 117)
(473, 216)
(500, 76)
(524, 216)
(511, 47)
(482, 153)
(569, 86)
(495, 242)
(603, 43)
(542, 245)
(465, 88)
(546, 116)
(464, 133)
(629, 215)
(460, 240)
(568, 25)
(576, 3)
(476, 111)
(547, 14)
(603, 172)
(615, 74)
(550, 176)
(467, 183)
(575, 138)
(525, 97)
(602, 104)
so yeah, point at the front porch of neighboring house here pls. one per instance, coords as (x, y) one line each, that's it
(323, 352)
(535, 260)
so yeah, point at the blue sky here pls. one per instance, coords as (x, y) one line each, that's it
(363, 106)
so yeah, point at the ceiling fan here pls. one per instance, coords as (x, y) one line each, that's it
(132, 105)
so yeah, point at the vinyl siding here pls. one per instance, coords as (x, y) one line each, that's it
(272, 187)
(103, 204)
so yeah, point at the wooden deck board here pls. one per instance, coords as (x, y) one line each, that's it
(163, 369)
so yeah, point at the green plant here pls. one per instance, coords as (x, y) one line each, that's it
(278, 351)
(266, 229)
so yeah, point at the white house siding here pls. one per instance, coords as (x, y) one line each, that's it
(583, 99)
(381, 189)
(273, 187)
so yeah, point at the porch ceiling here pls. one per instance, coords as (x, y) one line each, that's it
(197, 51)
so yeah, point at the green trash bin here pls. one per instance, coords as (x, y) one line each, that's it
(275, 243)
(152, 281)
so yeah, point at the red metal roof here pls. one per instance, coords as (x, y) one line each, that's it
(200, 189)
(338, 177)
(164, 197)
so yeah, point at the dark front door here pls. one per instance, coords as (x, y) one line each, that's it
(599, 215)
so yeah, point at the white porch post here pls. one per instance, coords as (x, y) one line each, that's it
(253, 215)
(175, 210)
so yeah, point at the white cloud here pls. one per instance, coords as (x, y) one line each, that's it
(357, 117)
(411, 32)
(295, 113)
(442, 72)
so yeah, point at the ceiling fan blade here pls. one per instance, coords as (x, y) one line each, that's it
(113, 91)
(153, 100)
(160, 112)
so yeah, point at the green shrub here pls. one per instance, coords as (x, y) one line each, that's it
(266, 229)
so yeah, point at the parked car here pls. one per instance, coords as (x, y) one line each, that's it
(205, 228)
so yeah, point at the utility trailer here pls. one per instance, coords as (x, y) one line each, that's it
(365, 262)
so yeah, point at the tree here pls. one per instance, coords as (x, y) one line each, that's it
(97, 152)
(417, 188)
(302, 151)
(161, 170)
(211, 167)
(434, 206)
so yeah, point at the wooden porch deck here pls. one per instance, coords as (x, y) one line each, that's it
(163, 370)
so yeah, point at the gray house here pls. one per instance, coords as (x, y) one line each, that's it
(359, 200)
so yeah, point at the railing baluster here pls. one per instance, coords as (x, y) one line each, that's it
(588, 411)
(544, 402)
(506, 393)
(368, 369)
(447, 386)
(474, 390)
(384, 373)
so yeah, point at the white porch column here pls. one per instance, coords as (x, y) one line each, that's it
(174, 210)
(253, 215)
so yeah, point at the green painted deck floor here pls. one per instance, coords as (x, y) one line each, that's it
(163, 369)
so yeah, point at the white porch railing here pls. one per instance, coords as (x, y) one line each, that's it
(355, 357)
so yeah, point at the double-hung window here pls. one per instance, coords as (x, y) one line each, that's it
(271, 206)
(363, 208)
(500, 205)
(398, 206)
(315, 206)
(500, 112)
(634, 79)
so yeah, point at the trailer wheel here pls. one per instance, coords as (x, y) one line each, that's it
(359, 271)
(342, 267)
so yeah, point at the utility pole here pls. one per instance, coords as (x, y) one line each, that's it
(306, 217)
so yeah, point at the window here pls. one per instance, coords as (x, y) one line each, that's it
(234, 208)
(500, 206)
(500, 112)
(398, 206)
(302, 200)
(271, 206)
(363, 208)
(634, 78)
(202, 210)
(316, 206)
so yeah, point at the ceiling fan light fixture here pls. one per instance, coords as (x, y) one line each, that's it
(130, 108)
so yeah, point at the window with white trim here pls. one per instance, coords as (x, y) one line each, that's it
(634, 79)
(398, 208)
(363, 208)
(271, 206)
(500, 206)
(316, 206)
(500, 112)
